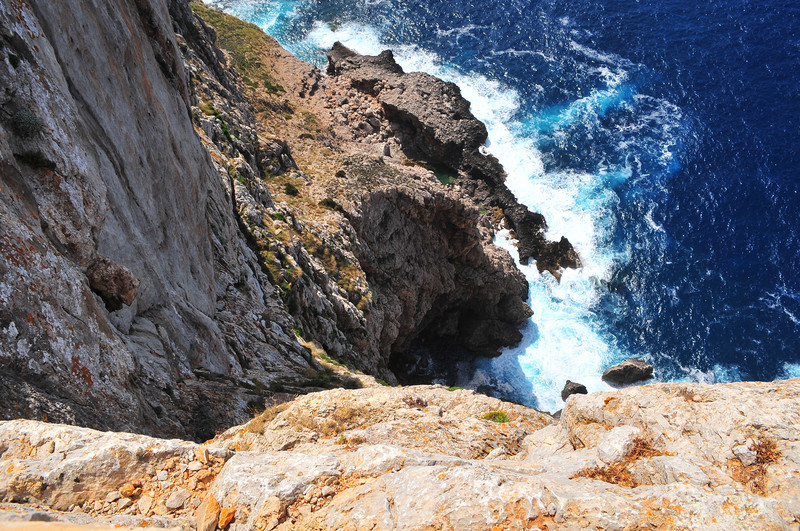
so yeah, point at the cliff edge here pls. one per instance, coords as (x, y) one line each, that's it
(662, 456)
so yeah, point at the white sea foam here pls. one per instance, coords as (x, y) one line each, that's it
(791, 370)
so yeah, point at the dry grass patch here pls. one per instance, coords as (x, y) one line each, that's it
(618, 472)
(753, 477)
(259, 423)
(342, 419)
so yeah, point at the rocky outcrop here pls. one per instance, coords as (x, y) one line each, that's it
(433, 123)
(663, 456)
(630, 371)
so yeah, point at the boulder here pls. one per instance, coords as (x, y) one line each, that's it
(631, 370)
(572, 388)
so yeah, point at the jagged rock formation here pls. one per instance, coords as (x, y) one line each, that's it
(433, 123)
(175, 217)
(662, 456)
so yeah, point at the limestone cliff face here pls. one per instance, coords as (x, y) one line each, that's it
(174, 218)
(123, 272)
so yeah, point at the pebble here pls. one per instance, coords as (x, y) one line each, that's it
(113, 496)
(162, 475)
(194, 466)
(145, 503)
(124, 503)
(177, 499)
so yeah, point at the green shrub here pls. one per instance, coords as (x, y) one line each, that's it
(13, 59)
(308, 136)
(496, 416)
(26, 124)
(333, 205)
(291, 189)
(454, 388)
(278, 216)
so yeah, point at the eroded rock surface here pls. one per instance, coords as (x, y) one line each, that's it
(661, 456)
(433, 123)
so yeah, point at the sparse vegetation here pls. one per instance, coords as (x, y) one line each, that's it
(753, 477)
(382, 382)
(279, 216)
(618, 472)
(306, 136)
(445, 177)
(259, 423)
(35, 159)
(208, 109)
(247, 45)
(496, 416)
(333, 205)
(324, 357)
(26, 124)
(454, 388)
(766, 450)
(341, 419)
(13, 59)
(350, 441)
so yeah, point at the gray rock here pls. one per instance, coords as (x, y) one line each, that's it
(629, 371)
(434, 124)
(177, 499)
(617, 443)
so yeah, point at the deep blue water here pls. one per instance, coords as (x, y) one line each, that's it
(659, 136)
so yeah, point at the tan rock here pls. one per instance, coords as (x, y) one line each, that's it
(144, 504)
(208, 514)
(177, 499)
(124, 503)
(201, 454)
(226, 516)
(127, 490)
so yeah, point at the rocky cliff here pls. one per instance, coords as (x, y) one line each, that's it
(663, 456)
(189, 231)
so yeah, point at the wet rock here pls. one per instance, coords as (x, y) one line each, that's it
(571, 388)
(629, 371)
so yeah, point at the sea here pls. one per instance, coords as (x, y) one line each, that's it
(661, 137)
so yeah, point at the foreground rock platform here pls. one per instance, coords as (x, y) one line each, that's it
(661, 456)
